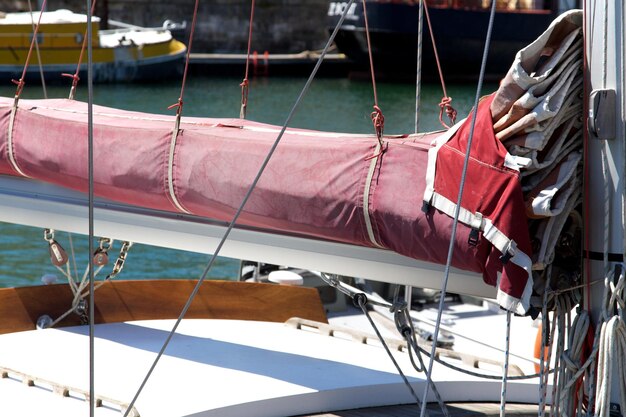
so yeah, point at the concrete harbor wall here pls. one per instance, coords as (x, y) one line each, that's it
(280, 26)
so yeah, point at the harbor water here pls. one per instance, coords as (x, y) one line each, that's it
(332, 104)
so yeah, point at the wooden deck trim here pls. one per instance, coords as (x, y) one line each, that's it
(119, 301)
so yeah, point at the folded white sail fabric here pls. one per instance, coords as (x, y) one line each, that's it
(537, 115)
(549, 196)
(565, 136)
(541, 111)
(539, 60)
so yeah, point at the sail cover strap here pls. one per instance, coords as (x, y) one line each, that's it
(366, 197)
(10, 143)
(170, 167)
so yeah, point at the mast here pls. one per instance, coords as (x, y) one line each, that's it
(604, 34)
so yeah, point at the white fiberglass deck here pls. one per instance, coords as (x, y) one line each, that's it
(217, 367)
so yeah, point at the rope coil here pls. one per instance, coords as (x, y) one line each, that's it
(446, 106)
(378, 119)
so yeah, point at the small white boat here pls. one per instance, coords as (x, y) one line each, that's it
(130, 53)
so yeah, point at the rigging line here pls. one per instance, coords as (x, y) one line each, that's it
(369, 52)
(376, 301)
(432, 39)
(361, 300)
(179, 112)
(244, 84)
(73, 253)
(179, 104)
(418, 75)
(457, 209)
(477, 374)
(446, 100)
(241, 206)
(92, 393)
(75, 77)
(377, 115)
(20, 83)
(405, 327)
(43, 79)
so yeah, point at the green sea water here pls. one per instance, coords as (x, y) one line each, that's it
(332, 104)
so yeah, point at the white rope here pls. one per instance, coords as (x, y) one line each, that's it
(560, 315)
(612, 346)
(73, 254)
(612, 352)
(572, 361)
(80, 288)
(79, 291)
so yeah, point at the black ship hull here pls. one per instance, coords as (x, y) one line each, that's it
(459, 34)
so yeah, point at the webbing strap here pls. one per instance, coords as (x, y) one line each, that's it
(501, 242)
(170, 168)
(11, 150)
(431, 167)
(366, 196)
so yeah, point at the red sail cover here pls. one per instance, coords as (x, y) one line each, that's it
(316, 184)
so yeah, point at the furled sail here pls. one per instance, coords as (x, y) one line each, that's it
(537, 113)
(323, 185)
(334, 186)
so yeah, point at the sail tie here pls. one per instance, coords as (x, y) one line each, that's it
(378, 119)
(445, 105)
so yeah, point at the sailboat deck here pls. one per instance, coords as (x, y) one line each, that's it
(229, 367)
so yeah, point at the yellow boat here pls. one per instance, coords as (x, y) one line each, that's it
(130, 53)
